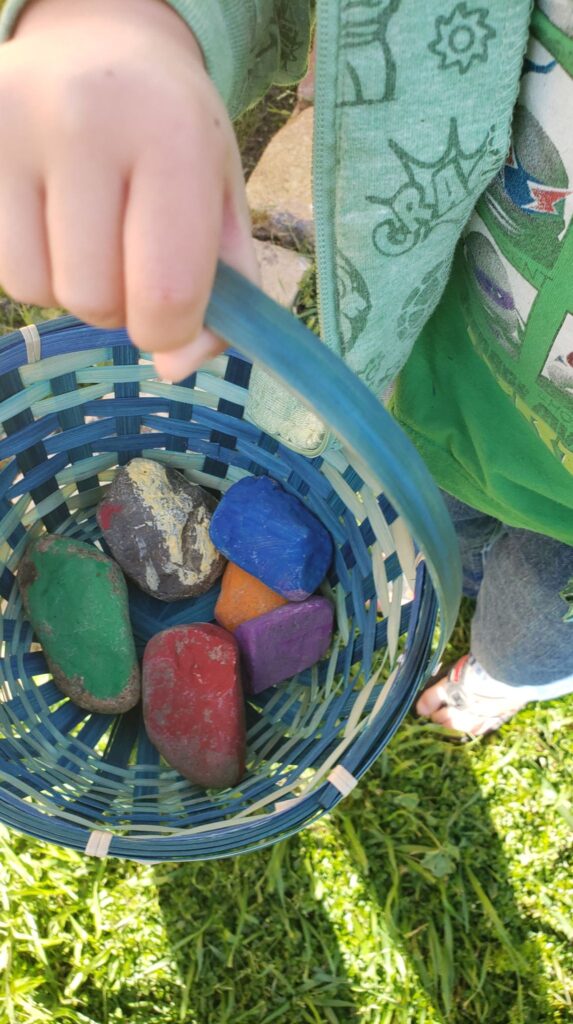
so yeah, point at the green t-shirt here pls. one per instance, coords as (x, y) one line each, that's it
(487, 394)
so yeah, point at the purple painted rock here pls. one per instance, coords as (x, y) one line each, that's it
(273, 536)
(281, 643)
(193, 703)
(156, 524)
(76, 600)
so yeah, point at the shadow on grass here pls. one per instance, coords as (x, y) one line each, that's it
(434, 864)
(252, 942)
(264, 938)
(398, 909)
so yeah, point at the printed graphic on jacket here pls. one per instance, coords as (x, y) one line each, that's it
(413, 130)
(518, 249)
(364, 40)
(462, 38)
(434, 193)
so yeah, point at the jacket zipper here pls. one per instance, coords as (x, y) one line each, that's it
(323, 173)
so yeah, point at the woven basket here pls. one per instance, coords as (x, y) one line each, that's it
(76, 402)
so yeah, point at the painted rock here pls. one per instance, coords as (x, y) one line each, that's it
(243, 597)
(271, 535)
(281, 643)
(156, 524)
(76, 600)
(193, 703)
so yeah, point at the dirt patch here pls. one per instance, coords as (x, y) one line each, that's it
(257, 126)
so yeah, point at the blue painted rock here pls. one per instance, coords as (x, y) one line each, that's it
(156, 524)
(271, 535)
(76, 600)
(281, 643)
(193, 704)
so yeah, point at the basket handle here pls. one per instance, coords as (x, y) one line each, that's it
(244, 316)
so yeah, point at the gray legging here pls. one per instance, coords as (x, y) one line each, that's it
(518, 632)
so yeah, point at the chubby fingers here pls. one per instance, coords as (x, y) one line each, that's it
(123, 221)
(85, 200)
(24, 253)
(235, 247)
(171, 238)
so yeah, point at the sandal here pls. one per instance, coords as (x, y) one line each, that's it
(479, 704)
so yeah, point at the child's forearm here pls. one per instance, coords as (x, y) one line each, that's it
(247, 44)
(56, 15)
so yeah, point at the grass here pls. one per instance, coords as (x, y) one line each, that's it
(440, 891)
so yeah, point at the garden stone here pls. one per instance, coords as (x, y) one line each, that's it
(156, 523)
(279, 190)
(282, 271)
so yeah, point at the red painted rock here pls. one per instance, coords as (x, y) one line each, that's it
(193, 703)
(156, 523)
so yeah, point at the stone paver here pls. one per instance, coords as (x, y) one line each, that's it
(282, 271)
(279, 190)
(269, 404)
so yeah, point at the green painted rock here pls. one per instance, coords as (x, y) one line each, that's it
(76, 600)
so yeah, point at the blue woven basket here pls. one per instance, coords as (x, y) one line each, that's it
(76, 402)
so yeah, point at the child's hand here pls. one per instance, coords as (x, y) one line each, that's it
(120, 178)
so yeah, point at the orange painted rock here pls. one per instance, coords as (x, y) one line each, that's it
(243, 597)
(193, 703)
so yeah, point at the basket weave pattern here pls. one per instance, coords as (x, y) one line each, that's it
(75, 403)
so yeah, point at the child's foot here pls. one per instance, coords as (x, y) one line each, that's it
(468, 700)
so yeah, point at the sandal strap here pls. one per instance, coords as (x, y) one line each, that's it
(456, 695)
(464, 699)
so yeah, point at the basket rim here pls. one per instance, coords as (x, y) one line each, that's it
(351, 406)
(231, 839)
